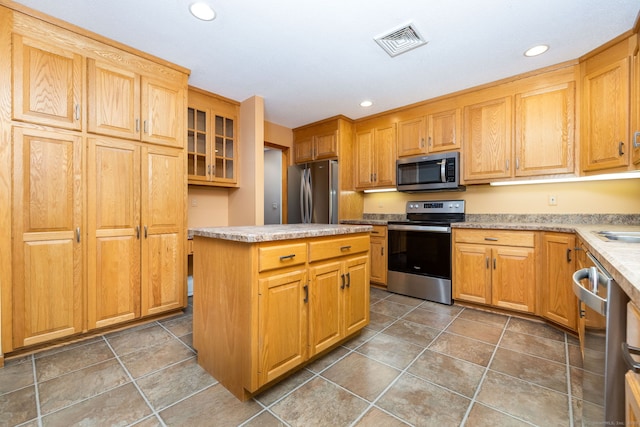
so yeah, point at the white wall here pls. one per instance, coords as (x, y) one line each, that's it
(272, 187)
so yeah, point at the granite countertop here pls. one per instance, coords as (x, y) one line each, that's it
(267, 233)
(365, 221)
(620, 259)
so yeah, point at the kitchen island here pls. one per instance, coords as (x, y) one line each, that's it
(269, 299)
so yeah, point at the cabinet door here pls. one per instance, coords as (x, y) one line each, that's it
(411, 137)
(606, 117)
(113, 100)
(544, 124)
(444, 131)
(378, 256)
(282, 324)
(513, 278)
(326, 288)
(162, 112)
(471, 273)
(224, 151)
(198, 144)
(47, 236)
(635, 103)
(326, 145)
(113, 242)
(364, 159)
(559, 303)
(356, 294)
(487, 140)
(385, 151)
(632, 398)
(303, 150)
(163, 237)
(47, 84)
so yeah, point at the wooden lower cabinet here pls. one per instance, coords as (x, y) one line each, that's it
(264, 309)
(495, 267)
(378, 254)
(632, 398)
(558, 303)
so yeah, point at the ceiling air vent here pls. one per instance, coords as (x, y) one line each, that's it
(400, 40)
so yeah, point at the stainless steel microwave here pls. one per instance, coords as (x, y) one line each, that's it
(437, 172)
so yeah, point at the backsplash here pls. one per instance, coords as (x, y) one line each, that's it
(614, 219)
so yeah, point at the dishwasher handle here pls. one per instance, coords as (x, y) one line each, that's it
(589, 296)
(627, 351)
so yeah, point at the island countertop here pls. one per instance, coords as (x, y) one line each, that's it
(272, 232)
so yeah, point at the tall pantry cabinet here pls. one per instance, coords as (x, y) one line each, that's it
(93, 168)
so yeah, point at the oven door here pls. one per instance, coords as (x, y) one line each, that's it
(422, 250)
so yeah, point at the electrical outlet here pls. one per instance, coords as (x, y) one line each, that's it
(553, 200)
(194, 202)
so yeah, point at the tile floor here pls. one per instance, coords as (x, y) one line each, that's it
(417, 363)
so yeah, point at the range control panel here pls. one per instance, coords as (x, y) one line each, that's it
(438, 206)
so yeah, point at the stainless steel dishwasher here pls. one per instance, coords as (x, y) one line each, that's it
(602, 329)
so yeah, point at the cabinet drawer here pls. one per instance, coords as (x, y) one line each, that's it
(379, 231)
(280, 256)
(495, 237)
(331, 248)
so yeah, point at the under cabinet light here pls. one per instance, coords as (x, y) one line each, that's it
(603, 177)
(380, 190)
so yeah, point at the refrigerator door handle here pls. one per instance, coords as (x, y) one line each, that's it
(302, 194)
(309, 197)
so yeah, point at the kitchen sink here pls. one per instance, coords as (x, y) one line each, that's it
(619, 236)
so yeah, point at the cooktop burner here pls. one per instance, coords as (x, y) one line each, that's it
(438, 212)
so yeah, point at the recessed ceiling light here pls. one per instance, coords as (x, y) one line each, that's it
(536, 50)
(202, 10)
(366, 104)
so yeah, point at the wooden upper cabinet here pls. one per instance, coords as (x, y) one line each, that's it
(125, 104)
(316, 142)
(47, 84)
(303, 149)
(376, 157)
(47, 297)
(411, 137)
(544, 130)
(605, 111)
(487, 140)
(439, 131)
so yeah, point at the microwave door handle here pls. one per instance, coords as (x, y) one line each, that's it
(443, 170)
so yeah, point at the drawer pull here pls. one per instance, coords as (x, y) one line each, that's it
(286, 257)
(375, 232)
(345, 248)
(491, 239)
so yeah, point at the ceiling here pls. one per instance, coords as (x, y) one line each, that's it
(312, 59)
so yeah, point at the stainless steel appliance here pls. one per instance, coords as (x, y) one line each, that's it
(437, 172)
(602, 328)
(419, 254)
(312, 195)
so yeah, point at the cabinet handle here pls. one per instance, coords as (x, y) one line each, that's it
(636, 139)
(286, 257)
(145, 231)
(627, 351)
(146, 126)
(491, 239)
(507, 163)
(375, 232)
(345, 248)
(137, 125)
(78, 234)
(138, 232)
(381, 251)
(421, 142)
(348, 280)
(568, 255)
(77, 111)
(517, 163)
(581, 312)
(306, 293)
(494, 263)
(343, 282)
(429, 141)
(487, 261)
(375, 177)
(620, 148)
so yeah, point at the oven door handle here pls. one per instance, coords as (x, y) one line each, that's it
(588, 296)
(431, 228)
(627, 351)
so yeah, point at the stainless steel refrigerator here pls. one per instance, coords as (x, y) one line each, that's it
(312, 191)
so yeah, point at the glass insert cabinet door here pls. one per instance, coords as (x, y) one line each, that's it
(197, 144)
(224, 148)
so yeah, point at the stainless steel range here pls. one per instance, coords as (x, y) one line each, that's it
(419, 255)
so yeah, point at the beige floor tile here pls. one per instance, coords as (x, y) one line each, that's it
(361, 375)
(265, 419)
(533, 345)
(483, 416)
(402, 299)
(420, 402)
(285, 386)
(479, 331)
(365, 335)
(529, 368)
(376, 294)
(179, 326)
(390, 350)
(377, 418)
(378, 322)
(464, 348)
(151, 359)
(451, 310)
(188, 340)
(484, 317)
(454, 374)
(524, 400)
(390, 308)
(214, 406)
(16, 374)
(120, 406)
(18, 406)
(328, 359)
(531, 327)
(415, 333)
(432, 319)
(67, 347)
(72, 359)
(319, 403)
(165, 387)
(575, 357)
(138, 339)
(151, 421)
(79, 385)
